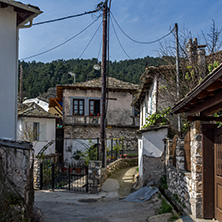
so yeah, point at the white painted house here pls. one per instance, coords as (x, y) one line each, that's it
(13, 16)
(150, 142)
(37, 126)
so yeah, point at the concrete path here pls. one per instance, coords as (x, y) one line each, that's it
(104, 207)
(120, 184)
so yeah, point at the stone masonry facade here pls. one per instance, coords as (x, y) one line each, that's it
(186, 186)
(16, 173)
(153, 170)
(85, 132)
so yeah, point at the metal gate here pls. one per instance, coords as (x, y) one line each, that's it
(57, 176)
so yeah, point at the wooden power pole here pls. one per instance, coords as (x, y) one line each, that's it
(21, 79)
(178, 72)
(103, 91)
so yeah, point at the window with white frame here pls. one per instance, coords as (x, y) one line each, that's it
(78, 107)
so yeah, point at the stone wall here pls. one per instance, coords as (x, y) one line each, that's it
(153, 170)
(186, 186)
(94, 177)
(16, 173)
(196, 169)
(178, 180)
(74, 137)
(116, 165)
(36, 174)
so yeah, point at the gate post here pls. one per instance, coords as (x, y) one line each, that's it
(94, 177)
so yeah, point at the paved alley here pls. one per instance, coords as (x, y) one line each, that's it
(103, 207)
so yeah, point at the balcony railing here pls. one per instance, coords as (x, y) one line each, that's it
(82, 120)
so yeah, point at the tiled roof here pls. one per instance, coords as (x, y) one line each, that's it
(33, 110)
(112, 83)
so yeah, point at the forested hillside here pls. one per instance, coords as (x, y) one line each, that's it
(38, 76)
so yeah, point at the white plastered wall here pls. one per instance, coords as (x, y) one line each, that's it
(8, 72)
(50, 132)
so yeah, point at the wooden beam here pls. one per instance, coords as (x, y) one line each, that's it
(206, 104)
(212, 110)
(204, 94)
(204, 118)
(214, 86)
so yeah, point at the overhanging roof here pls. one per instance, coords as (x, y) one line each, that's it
(205, 98)
(25, 13)
(146, 80)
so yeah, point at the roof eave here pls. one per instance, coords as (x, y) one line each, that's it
(209, 79)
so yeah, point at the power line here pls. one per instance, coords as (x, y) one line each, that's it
(139, 42)
(90, 40)
(63, 43)
(67, 17)
(119, 40)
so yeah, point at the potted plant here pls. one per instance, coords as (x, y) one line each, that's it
(77, 156)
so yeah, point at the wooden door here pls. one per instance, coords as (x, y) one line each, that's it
(218, 174)
(208, 135)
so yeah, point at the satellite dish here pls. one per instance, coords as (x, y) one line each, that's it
(96, 67)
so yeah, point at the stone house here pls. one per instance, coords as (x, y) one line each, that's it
(200, 187)
(81, 104)
(37, 126)
(13, 16)
(150, 99)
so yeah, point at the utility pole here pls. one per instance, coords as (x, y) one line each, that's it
(178, 72)
(21, 79)
(103, 91)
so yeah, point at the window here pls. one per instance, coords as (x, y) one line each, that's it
(78, 107)
(39, 131)
(94, 107)
(135, 112)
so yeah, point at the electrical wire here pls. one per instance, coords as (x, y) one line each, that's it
(119, 40)
(139, 42)
(90, 40)
(63, 43)
(67, 17)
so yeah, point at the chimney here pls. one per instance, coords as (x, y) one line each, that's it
(202, 60)
(191, 47)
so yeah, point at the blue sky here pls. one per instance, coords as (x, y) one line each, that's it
(143, 20)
